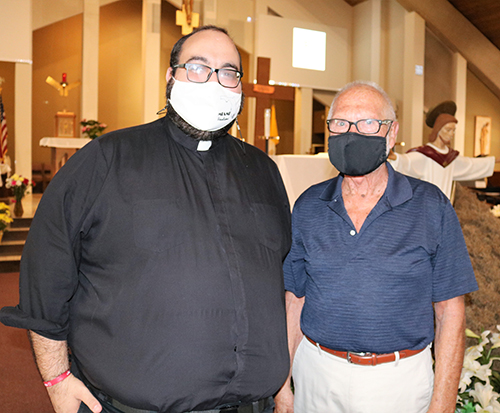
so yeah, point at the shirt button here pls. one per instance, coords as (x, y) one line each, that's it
(352, 232)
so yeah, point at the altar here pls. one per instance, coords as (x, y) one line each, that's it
(299, 172)
(62, 149)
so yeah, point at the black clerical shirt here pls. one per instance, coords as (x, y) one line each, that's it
(162, 267)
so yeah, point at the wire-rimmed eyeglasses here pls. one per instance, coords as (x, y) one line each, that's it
(199, 73)
(364, 126)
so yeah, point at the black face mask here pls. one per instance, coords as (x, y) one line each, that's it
(355, 155)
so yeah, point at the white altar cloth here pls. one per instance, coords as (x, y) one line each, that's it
(62, 149)
(299, 172)
(64, 142)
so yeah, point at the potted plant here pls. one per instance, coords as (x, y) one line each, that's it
(92, 128)
(19, 185)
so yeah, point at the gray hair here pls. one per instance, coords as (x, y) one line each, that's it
(366, 84)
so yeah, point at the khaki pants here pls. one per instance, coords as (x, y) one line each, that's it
(328, 384)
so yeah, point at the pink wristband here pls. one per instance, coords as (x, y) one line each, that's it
(58, 379)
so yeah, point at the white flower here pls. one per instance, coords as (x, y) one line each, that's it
(494, 403)
(496, 210)
(484, 372)
(495, 337)
(479, 409)
(471, 355)
(483, 394)
(465, 380)
(484, 337)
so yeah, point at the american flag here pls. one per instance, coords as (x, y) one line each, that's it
(3, 121)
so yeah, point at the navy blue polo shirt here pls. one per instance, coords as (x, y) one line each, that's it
(373, 290)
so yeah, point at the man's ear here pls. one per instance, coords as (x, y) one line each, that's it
(393, 134)
(169, 74)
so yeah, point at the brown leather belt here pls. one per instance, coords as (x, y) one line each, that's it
(367, 359)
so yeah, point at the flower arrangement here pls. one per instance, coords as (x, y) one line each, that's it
(5, 218)
(19, 185)
(479, 389)
(92, 128)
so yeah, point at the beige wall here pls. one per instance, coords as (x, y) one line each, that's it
(120, 70)
(16, 46)
(47, 12)
(366, 42)
(15, 30)
(481, 102)
(170, 33)
(57, 49)
(438, 85)
(392, 67)
(7, 72)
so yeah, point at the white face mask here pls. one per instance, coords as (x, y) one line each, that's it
(205, 106)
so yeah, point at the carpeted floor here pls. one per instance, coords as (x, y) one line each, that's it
(21, 389)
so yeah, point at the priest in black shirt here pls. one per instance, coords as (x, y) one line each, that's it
(155, 258)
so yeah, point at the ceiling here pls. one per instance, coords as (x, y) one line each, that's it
(484, 14)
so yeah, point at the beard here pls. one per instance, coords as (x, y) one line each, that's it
(197, 134)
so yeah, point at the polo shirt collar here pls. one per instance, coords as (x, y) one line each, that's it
(398, 189)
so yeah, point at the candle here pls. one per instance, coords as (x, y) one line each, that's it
(267, 123)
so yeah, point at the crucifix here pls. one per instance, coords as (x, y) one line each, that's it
(186, 18)
(264, 92)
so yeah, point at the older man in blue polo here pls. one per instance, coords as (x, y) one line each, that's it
(377, 258)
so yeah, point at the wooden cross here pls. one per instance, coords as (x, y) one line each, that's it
(264, 92)
(186, 18)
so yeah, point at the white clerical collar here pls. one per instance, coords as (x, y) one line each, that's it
(443, 151)
(204, 145)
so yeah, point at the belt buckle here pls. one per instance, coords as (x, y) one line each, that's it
(360, 354)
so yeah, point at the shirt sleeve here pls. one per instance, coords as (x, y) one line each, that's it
(50, 260)
(294, 266)
(470, 169)
(453, 274)
(413, 164)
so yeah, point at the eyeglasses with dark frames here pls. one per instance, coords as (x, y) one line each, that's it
(199, 73)
(364, 126)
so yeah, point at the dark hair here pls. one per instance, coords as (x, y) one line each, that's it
(176, 50)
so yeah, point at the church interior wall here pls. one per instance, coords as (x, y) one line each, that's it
(438, 72)
(363, 31)
(47, 12)
(169, 35)
(57, 49)
(120, 64)
(328, 12)
(239, 21)
(274, 39)
(481, 102)
(15, 30)
(7, 72)
(16, 47)
(392, 51)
